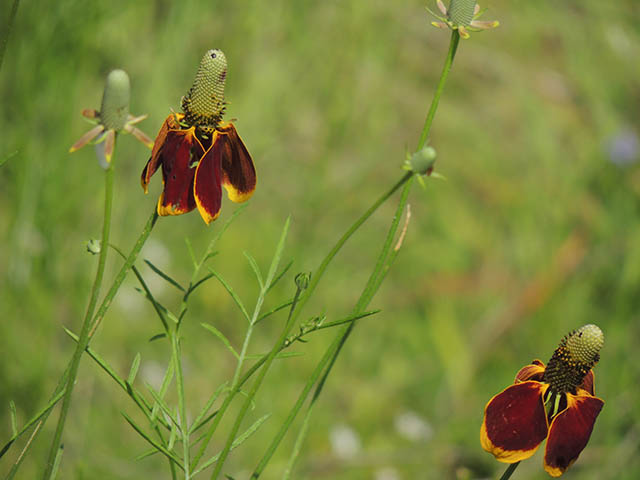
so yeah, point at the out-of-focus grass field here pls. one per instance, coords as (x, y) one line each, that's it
(535, 232)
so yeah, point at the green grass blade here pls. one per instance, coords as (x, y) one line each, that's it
(14, 418)
(255, 268)
(135, 365)
(232, 293)
(152, 442)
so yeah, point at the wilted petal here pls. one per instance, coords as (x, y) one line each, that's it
(207, 188)
(170, 124)
(463, 32)
(588, 383)
(238, 172)
(178, 170)
(139, 135)
(535, 371)
(569, 432)
(442, 8)
(485, 24)
(90, 113)
(515, 422)
(87, 137)
(440, 24)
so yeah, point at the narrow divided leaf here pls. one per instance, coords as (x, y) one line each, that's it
(222, 338)
(232, 293)
(198, 421)
(150, 440)
(274, 310)
(134, 369)
(280, 275)
(14, 419)
(255, 268)
(278, 255)
(164, 276)
(157, 337)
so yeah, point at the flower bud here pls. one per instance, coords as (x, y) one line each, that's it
(302, 280)
(422, 161)
(115, 100)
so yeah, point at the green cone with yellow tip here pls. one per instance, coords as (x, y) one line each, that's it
(585, 343)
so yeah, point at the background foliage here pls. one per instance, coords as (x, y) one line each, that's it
(534, 233)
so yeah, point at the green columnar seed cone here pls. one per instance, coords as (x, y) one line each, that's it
(115, 100)
(585, 343)
(461, 11)
(577, 353)
(204, 103)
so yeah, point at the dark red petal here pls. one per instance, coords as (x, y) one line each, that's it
(170, 123)
(178, 158)
(238, 172)
(535, 371)
(569, 432)
(587, 383)
(515, 422)
(206, 188)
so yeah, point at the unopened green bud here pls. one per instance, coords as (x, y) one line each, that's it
(204, 104)
(115, 100)
(585, 343)
(461, 12)
(302, 280)
(422, 161)
(93, 246)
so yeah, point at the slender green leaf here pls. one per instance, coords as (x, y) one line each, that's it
(275, 310)
(236, 443)
(222, 338)
(134, 369)
(14, 418)
(279, 355)
(157, 337)
(166, 381)
(280, 275)
(197, 284)
(163, 406)
(56, 463)
(198, 422)
(164, 276)
(232, 293)
(148, 453)
(150, 440)
(255, 268)
(192, 254)
(350, 318)
(278, 255)
(8, 157)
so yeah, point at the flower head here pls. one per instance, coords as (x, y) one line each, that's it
(463, 16)
(113, 117)
(555, 402)
(198, 152)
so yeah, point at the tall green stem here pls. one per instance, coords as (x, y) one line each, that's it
(83, 341)
(375, 281)
(453, 47)
(4, 38)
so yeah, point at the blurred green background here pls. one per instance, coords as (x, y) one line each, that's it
(535, 232)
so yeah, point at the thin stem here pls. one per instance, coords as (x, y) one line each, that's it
(256, 385)
(510, 469)
(5, 36)
(333, 351)
(86, 324)
(370, 289)
(184, 427)
(453, 46)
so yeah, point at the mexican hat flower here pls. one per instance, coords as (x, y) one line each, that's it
(462, 15)
(112, 118)
(555, 402)
(198, 152)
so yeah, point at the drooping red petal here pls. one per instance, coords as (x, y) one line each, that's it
(570, 431)
(206, 187)
(238, 171)
(515, 422)
(588, 383)
(170, 123)
(535, 371)
(179, 156)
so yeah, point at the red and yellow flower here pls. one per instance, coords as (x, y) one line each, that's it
(198, 152)
(556, 402)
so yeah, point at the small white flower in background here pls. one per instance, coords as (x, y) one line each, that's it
(412, 426)
(345, 442)
(387, 473)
